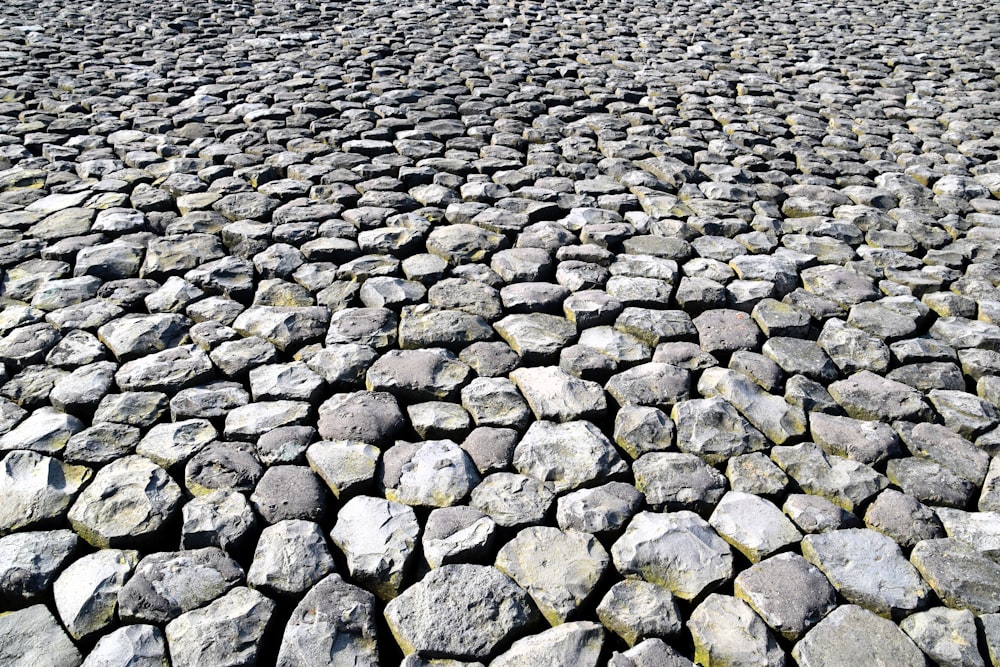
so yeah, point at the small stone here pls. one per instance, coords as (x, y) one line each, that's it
(641, 429)
(223, 465)
(29, 562)
(347, 466)
(536, 337)
(221, 519)
(755, 473)
(456, 534)
(713, 430)
(37, 489)
(903, 518)
(868, 569)
(513, 501)
(947, 636)
(429, 374)
(248, 422)
(724, 330)
(602, 509)
(674, 481)
(86, 593)
(435, 473)
(577, 643)
(554, 394)
(772, 415)
(134, 645)
(371, 417)
(869, 442)
(815, 514)
(753, 525)
(844, 482)
(32, 632)
(287, 492)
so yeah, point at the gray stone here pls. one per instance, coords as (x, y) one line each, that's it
(559, 569)
(193, 637)
(755, 473)
(333, 624)
(815, 514)
(650, 653)
(37, 489)
(370, 417)
(853, 350)
(294, 381)
(787, 592)
(724, 330)
(170, 445)
(347, 466)
(29, 562)
(674, 481)
(838, 284)
(640, 429)
(850, 635)
(459, 611)
(903, 518)
(726, 630)
(133, 645)
(341, 364)
(29, 633)
(133, 336)
(961, 575)
(495, 402)
(168, 584)
(424, 326)
(433, 473)
(942, 445)
(635, 610)
(375, 327)
(867, 396)
(947, 636)
(961, 333)
(966, 414)
(490, 359)
(654, 384)
(599, 510)
(868, 569)
(678, 550)
(753, 525)
(568, 455)
(758, 368)
(208, 401)
(86, 593)
(930, 482)
(846, 483)
(221, 519)
(289, 492)
(513, 501)
(46, 431)
(536, 337)
(713, 430)
(979, 529)
(491, 449)
(772, 415)
(378, 537)
(248, 422)
(577, 643)
(291, 557)
(456, 534)
(133, 408)
(236, 358)
(554, 394)
(223, 465)
(286, 327)
(869, 442)
(428, 374)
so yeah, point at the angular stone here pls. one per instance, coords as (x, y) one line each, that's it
(135, 645)
(903, 518)
(371, 417)
(250, 421)
(86, 593)
(167, 371)
(753, 525)
(418, 374)
(577, 643)
(32, 632)
(168, 584)
(459, 611)
(947, 636)
(495, 402)
(727, 631)
(513, 501)
(930, 482)
(29, 562)
(434, 473)
(207, 401)
(599, 510)
(334, 621)
(456, 534)
(37, 489)
(375, 327)
(713, 430)
(772, 415)
(291, 557)
(169, 445)
(961, 575)
(221, 519)
(347, 466)
(673, 481)
(289, 492)
(554, 394)
(850, 635)
(755, 473)
(815, 514)
(641, 429)
(868, 568)
(46, 431)
(424, 326)
(942, 445)
(853, 350)
(788, 592)
(193, 637)
(634, 610)
(536, 337)
(133, 336)
(869, 442)
(868, 396)
(846, 483)
(568, 455)
(286, 327)
(650, 653)
(654, 384)
(378, 537)
(678, 550)
(724, 330)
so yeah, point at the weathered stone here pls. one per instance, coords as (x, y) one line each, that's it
(46, 431)
(435, 473)
(37, 489)
(843, 482)
(133, 336)
(650, 653)
(947, 636)
(678, 550)
(961, 576)
(29, 562)
(371, 417)
(135, 645)
(577, 643)
(789, 593)
(753, 525)
(170, 445)
(903, 518)
(513, 501)
(713, 430)
(418, 374)
(378, 538)
(86, 593)
(852, 635)
(247, 422)
(869, 442)
(772, 415)
(460, 611)
(335, 621)
(456, 534)
(168, 584)
(291, 556)
(223, 465)
(727, 631)
(29, 633)
(536, 337)
(193, 636)
(221, 519)
(286, 492)
(554, 394)
(635, 610)
(602, 509)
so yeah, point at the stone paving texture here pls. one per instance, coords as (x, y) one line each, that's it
(494, 332)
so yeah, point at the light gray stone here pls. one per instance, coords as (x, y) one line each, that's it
(242, 615)
(568, 455)
(726, 630)
(86, 593)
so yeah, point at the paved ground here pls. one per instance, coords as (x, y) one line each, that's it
(526, 333)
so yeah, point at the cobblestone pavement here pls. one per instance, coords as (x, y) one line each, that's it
(509, 333)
